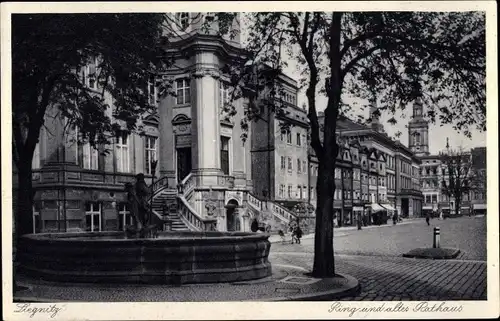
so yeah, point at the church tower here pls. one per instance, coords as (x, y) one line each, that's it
(418, 131)
(376, 125)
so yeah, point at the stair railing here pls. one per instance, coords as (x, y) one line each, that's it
(277, 210)
(187, 185)
(254, 202)
(282, 213)
(159, 185)
(193, 219)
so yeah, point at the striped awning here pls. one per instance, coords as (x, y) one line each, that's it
(377, 208)
(388, 206)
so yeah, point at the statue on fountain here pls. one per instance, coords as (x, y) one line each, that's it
(138, 201)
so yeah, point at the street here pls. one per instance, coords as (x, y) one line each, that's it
(373, 256)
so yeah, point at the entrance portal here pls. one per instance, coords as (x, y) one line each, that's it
(232, 217)
(183, 162)
(405, 207)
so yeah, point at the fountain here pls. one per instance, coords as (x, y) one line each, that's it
(144, 255)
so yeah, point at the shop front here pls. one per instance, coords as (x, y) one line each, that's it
(479, 209)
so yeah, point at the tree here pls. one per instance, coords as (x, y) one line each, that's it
(397, 56)
(49, 52)
(458, 179)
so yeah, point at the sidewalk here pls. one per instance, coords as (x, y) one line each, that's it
(287, 283)
(341, 231)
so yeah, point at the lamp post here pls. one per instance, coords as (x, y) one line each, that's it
(153, 172)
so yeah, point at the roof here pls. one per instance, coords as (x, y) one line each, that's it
(479, 157)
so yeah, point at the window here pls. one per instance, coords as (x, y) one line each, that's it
(299, 192)
(290, 164)
(182, 20)
(434, 198)
(283, 162)
(298, 139)
(150, 153)
(224, 155)
(35, 163)
(299, 166)
(304, 166)
(289, 137)
(183, 91)
(223, 94)
(289, 191)
(89, 74)
(282, 191)
(312, 192)
(124, 217)
(152, 91)
(416, 139)
(93, 216)
(90, 157)
(122, 153)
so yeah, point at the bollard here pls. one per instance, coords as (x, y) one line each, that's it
(437, 237)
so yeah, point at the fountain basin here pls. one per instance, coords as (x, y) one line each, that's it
(172, 258)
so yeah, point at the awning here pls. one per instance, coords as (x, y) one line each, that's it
(388, 206)
(479, 206)
(377, 208)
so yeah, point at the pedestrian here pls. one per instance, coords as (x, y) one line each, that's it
(282, 235)
(298, 234)
(294, 234)
(394, 218)
(427, 218)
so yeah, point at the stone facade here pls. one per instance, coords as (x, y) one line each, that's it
(78, 189)
(431, 171)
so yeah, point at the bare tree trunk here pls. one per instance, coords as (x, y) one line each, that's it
(323, 241)
(23, 216)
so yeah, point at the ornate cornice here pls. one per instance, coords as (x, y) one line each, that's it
(202, 72)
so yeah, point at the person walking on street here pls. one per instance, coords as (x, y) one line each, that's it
(298, 234)
(427, 218)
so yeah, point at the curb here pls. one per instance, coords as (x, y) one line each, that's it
(432, 256)
(351, 288)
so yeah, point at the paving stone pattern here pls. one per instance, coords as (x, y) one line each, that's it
(393, 278)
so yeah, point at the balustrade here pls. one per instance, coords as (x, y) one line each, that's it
(196, 221)
(255, 202)
(159, 185)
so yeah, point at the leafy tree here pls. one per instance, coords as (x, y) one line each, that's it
(461, 176)
(48, 54)
(393, 57)
(457, 175)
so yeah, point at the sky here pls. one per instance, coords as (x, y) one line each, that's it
(438, 133)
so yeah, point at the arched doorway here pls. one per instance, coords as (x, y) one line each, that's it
(232, 217)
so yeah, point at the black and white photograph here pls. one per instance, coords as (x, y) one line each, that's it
(327, 153)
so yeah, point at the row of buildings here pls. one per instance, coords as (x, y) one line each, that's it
(198, 147)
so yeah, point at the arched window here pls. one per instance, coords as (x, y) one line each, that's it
(416, 139)
(182, 20)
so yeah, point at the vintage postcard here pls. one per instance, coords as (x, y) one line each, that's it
(249, 160)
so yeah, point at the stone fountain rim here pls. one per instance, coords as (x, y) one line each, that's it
(176, 237)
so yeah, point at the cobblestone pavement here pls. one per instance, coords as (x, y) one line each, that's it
(394, 278)
(465, 233)
(373, 256)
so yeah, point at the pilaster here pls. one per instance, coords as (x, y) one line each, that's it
(205, 131)
(166, 140)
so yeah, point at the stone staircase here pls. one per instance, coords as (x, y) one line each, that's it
(169, 197)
